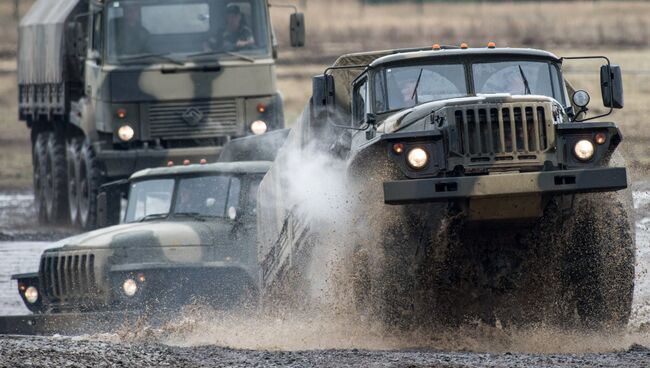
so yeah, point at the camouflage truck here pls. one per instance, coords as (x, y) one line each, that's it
(109, 87)
(484, 191)
(188, 233)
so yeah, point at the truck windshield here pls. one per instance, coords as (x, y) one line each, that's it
(201, 196)
(208, 196)
(146, 31)
(149, 199)
(397, 88)
(517, 78)
(401, 87)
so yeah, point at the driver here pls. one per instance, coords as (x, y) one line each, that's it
(134, 36)
(236, 35)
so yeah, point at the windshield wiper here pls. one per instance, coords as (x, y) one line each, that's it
(231, 53)
(146, 56)
(417, 84)
(152, 216)
(523, 77)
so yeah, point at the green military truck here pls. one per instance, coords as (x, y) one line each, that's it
(109, 87)
(480, 189)
(188, 233)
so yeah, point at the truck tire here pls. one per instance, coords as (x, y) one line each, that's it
(55, 189)
(600, 263)
(73, 152)
(39, 153)
(90, 179)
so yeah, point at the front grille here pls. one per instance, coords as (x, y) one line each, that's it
(503, 132)
(193, 119)
(66, 276)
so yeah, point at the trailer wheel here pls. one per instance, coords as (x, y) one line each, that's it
(39, 153)
(90, 179)
(73, 152)
(55, 189)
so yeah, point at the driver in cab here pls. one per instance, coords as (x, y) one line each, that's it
(236, 34)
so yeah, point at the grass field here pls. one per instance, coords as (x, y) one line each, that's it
(619, 30)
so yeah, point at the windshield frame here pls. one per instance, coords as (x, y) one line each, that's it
(467, 63)
(185, 58)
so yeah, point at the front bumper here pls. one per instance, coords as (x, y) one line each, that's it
(124, 163)
(501, 185)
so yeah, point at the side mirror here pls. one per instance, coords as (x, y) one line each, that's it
(297, 29)
(102, 210)
(611, 85)
(322, 94)
(109, 203)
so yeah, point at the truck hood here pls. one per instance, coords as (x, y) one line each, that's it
(405, 118)
(160, 83)
(151, 234)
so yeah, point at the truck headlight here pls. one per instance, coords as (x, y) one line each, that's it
(584, 150)
(31, 295)
(417, 158)
(130, 287)
(125, 133)
(258, 127)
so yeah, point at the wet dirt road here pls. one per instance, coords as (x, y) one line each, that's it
(220, 342)
(70, 352)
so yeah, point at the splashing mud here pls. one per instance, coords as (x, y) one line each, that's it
(328, 326)
(321, 332)
(331, 322)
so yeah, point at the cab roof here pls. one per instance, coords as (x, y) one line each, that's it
(246, 167)
(503, 52)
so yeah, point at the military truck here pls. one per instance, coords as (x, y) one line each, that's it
(188, 233)
(109, 87)
(480, 189)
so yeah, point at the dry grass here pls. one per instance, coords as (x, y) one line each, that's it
(343, 25)
(619, 30)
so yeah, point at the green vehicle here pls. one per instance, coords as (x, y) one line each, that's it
(483, 190)
(188, 234)
(109, 87)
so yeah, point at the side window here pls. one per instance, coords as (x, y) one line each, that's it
(97, 33)
(359, 102)
(379, 89)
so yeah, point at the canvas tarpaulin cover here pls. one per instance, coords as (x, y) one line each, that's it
(41, 53)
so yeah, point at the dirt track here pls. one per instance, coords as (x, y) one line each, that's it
(71, 352)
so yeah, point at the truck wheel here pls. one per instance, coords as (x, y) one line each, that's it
(600, 263)
(56, 192)
(73, 152)
(39, 153)
(90, 179)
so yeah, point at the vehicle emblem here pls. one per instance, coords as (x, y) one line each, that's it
(192, 116)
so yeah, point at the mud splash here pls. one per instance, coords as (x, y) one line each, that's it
(334, 329)
(303, 333)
